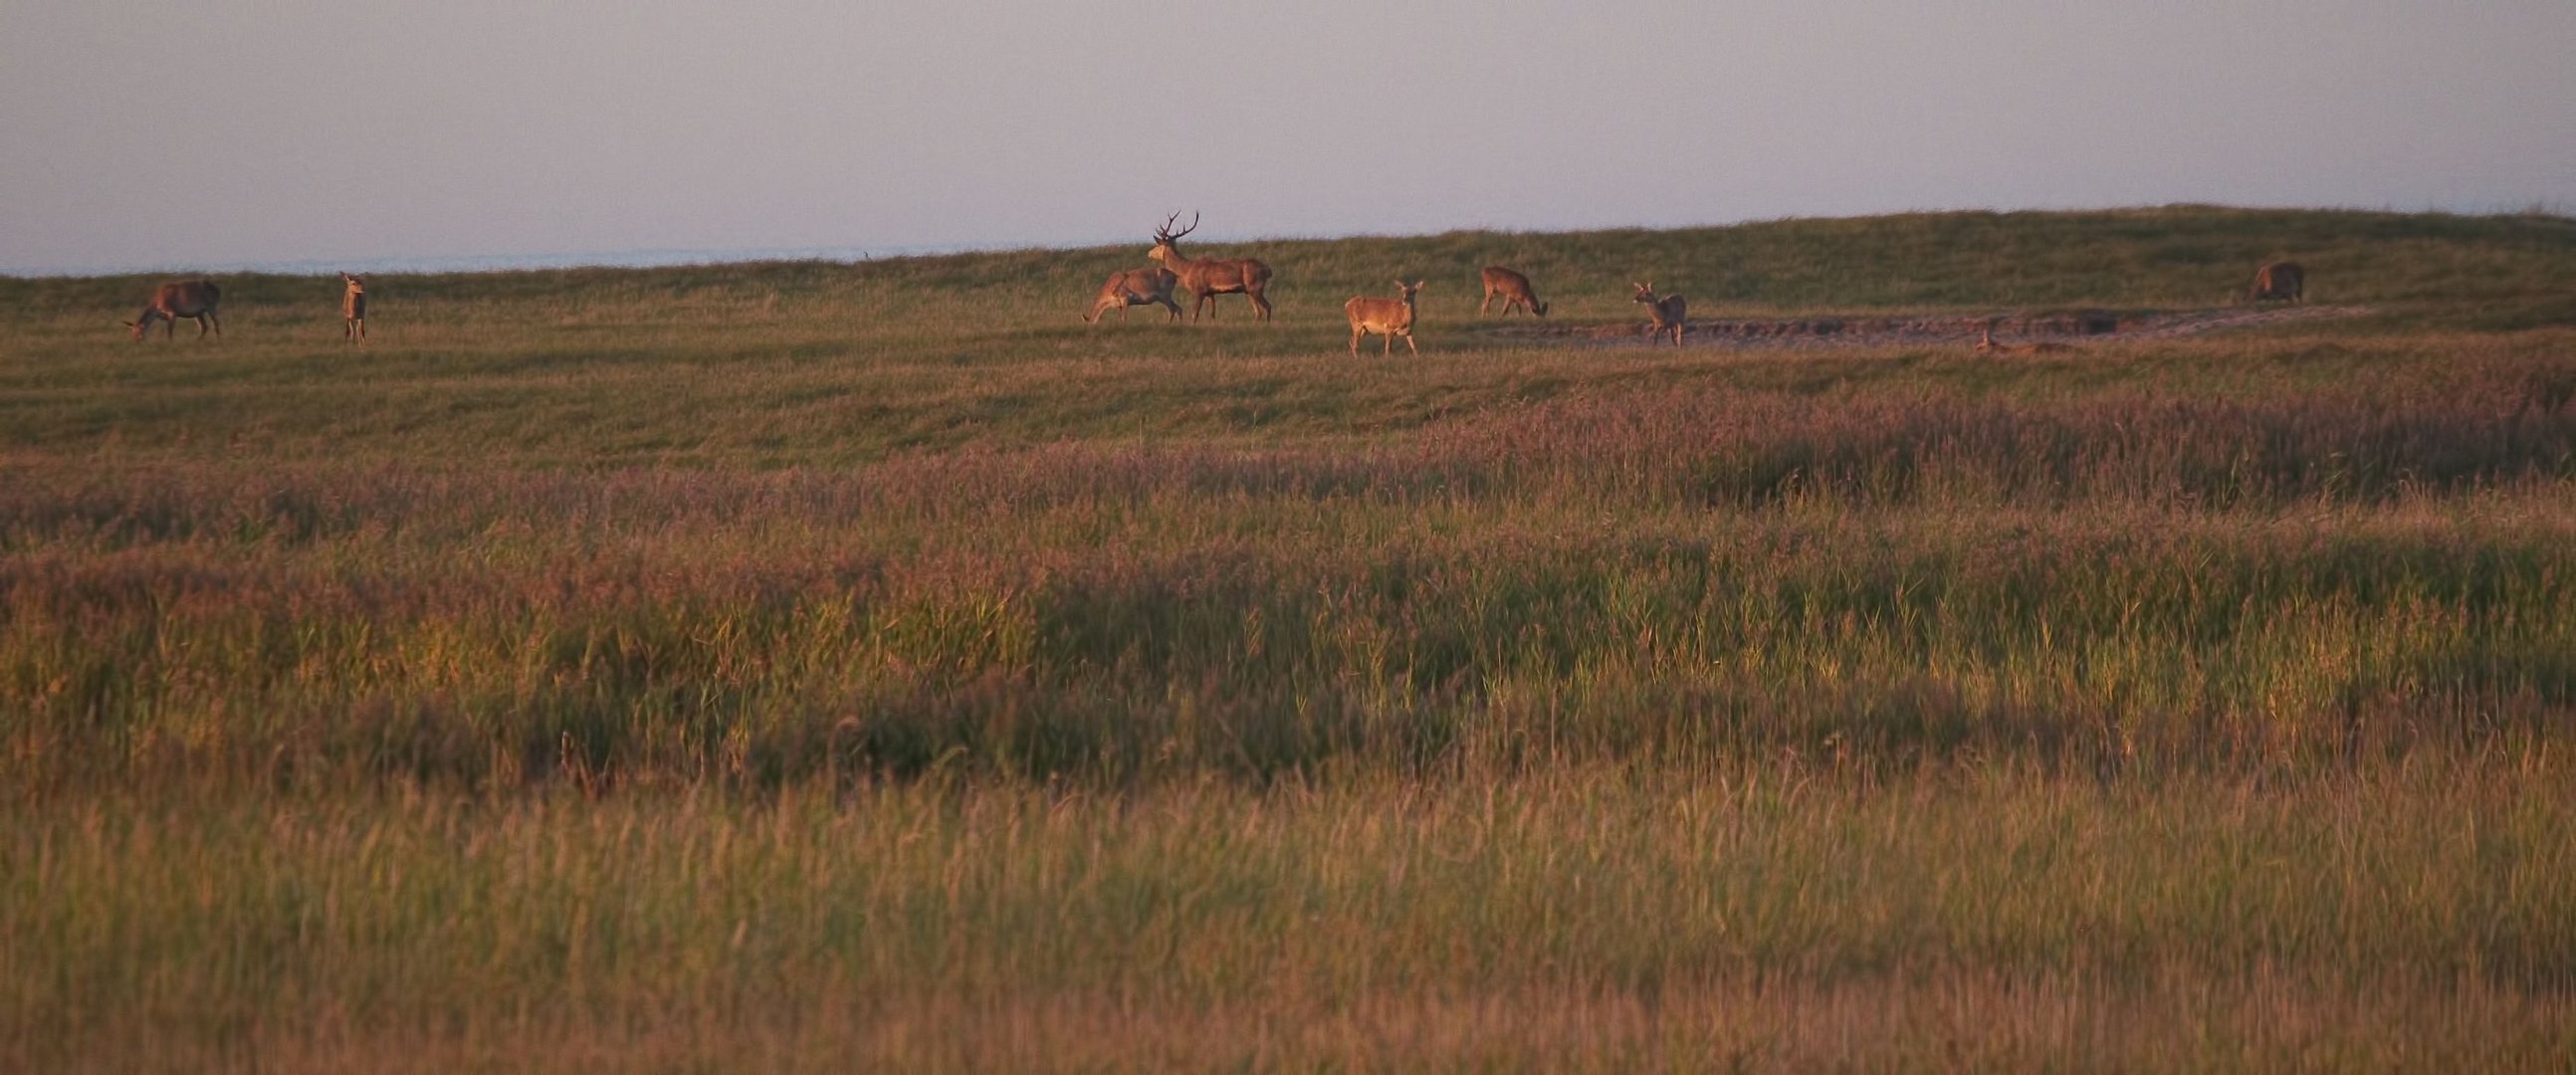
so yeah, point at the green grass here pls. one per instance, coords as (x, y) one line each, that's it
(795, 664)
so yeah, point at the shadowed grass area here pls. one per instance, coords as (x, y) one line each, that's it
(779, 665)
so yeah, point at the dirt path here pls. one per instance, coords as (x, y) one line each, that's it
(1818, 333)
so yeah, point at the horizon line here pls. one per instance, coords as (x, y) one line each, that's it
(678, 257)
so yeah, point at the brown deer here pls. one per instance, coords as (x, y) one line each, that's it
(1135, 287)
(1386, 317)
(1988, 345)
(1666, 312)
(1515, 290)
(353, 308)
(180, 298)
(1207, 278)
(2279, 280)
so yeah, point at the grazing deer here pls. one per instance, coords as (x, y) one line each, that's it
(1207, 278)
(1135, 287)
(2279, 280)
(1515, 290)
(1666, 311)
(180, 298)
(1988, 345)
(353, 308)
(1386, 317)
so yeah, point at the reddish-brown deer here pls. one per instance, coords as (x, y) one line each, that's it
(1515, 290)
(1207, 278)
(1666, 311)
(193, 299)
(1386, 317)
(353, 308)
(1135, 287)
(2279, 280)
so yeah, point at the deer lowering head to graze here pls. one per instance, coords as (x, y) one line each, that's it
(2279, 280)
(1988, 345)
(1515, 290)
(353, 308)
(1386, 317)
(1207, 278)
(1135, 287)
(1666, 311)
(180, 298)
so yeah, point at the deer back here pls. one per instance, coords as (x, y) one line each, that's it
(1666, 310)
(1380, 315)
(1138, 286)
(2279, 280)
(184, 298)
(1211, 274)
(1509, 284)
(1377, 315)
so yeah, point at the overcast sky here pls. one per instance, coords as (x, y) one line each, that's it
(156, 134)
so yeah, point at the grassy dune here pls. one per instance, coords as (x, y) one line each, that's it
(800, 663)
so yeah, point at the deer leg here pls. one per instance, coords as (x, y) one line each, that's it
(1488, 305)
(1412, 346)
(1356, 333)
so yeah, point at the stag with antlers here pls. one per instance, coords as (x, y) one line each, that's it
(1207, 278)
(1667, 313)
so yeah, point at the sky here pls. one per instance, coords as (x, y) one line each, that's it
(151, 135)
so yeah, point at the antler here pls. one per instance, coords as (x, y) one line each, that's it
(1166, 234)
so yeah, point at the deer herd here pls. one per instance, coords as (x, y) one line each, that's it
(1204, 279)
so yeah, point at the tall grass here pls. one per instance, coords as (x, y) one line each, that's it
(2155, 571)
(1765, 914)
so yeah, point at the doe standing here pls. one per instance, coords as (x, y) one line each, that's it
(353, 308)
(1387, 317)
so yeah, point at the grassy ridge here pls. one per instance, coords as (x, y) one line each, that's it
(2182, 256)
(799, 662)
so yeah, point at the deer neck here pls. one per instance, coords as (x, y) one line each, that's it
(1174, 260)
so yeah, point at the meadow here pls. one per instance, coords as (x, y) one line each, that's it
(802, 665)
